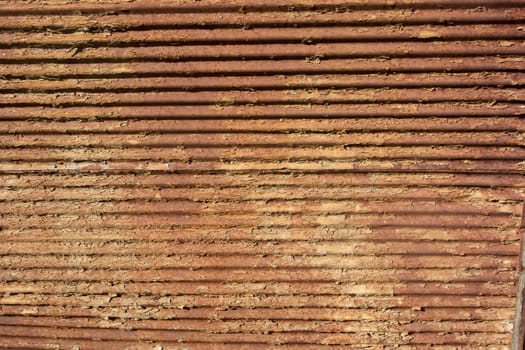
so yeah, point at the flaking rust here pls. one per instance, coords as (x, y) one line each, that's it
(259, 174)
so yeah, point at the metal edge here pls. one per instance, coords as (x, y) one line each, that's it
(518, 337)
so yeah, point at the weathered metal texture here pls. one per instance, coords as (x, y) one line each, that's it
(261, 174)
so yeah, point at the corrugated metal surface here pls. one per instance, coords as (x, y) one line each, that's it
(260, 175)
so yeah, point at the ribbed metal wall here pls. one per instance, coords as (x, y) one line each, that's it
(260, 175)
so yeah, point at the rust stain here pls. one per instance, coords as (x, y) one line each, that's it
(261, 174)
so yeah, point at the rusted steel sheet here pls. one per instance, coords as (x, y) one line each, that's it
(349, 124)
(226, 111)
(308, 35)
(258, 51)
(277, 83)
(247, 19)
(261, 174)
(317, 96)
(97, 6)
(311, 65)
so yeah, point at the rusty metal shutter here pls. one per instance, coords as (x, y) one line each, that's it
(260, 175)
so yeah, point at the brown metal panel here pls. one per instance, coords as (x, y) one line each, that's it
(261, 174)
